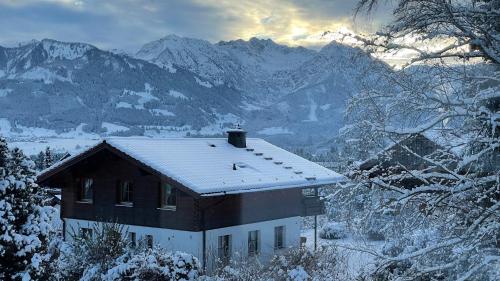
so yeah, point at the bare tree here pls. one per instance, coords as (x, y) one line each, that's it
(452, 96)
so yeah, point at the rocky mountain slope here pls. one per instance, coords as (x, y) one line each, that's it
(179, 86)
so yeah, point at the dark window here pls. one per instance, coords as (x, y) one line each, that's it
(132, 239)
(279, 237)
(149, 241)
(168, 197)
(86, 190)
(253, 242)
(125, 193)
(86, 233)
(224, 248)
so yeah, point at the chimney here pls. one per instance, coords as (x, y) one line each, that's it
(237, 137)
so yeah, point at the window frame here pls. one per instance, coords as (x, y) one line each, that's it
(279, 230)
(130, 193)
(84, 191)
(164, 204)
(86, 232)
(132, 238)
(253, 244)
(224, 248)
(149, 241)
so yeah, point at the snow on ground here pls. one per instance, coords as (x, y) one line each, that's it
(163, 112)
(47, 76)
(178, 95)
(222, 124)
(113, 128)
(144, 97)
(325, 106)
(250, 107)
(203, 83)
(60, 145)
(167, 131)
(123, 104)
(4, 92)
(357, 261)
(275, 131)
(312, 117)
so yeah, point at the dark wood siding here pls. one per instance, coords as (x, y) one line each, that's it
(107, 169)
(229, 210)
(193, 213)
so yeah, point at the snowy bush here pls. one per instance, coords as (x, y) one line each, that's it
(25, 223)
(107, 255)
(154, 264)
(88, 257)
(294, 265)
(333, 230)
(298, 274)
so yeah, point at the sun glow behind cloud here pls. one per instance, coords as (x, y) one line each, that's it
(290, 22)
(127, 24)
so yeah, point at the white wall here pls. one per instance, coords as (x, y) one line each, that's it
(172, 240)
(192, 242)
(239, 237)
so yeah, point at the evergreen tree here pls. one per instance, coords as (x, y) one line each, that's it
(25, 224)
(40, 161)
(4, 151)
(48, 158)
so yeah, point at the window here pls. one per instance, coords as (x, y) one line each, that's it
(132, 239)
(309, 192)
(125, 193)
(279, 237)
(149, 241)
(86, 233)
(224, 248)
(86, 190)
(168, 197)
(253, 242)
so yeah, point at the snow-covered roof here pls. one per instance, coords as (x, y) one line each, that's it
(206, 165)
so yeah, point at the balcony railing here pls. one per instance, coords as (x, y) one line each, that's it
(312, 206)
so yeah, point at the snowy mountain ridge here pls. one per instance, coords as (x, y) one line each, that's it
(178, 87)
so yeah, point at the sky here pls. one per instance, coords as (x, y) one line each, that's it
(129, 24)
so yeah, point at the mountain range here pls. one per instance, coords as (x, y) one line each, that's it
(178, 86)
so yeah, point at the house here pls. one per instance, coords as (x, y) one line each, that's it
(211, 197)
(416, 152)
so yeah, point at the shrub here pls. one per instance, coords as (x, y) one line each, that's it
(154, 264)
(333, 230)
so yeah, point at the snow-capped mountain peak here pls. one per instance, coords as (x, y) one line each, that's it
(61, 50)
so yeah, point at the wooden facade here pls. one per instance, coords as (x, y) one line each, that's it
(108, 166)
(398, 159)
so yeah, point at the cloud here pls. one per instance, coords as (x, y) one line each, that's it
(128, 24)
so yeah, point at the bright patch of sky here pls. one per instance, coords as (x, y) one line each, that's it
(128, 24)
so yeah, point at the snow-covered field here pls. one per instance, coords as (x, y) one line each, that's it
(357, 261)
(60, 145)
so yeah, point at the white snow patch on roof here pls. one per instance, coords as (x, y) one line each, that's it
(205, 165)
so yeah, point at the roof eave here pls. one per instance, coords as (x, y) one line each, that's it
(277, 187)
